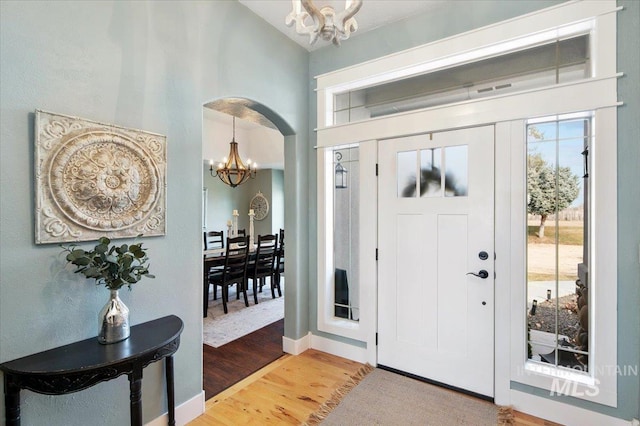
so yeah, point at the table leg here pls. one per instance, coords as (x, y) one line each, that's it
(171, 399)
(11, 402)
(135, 396)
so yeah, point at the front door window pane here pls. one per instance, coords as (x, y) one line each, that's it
(407, 164)
(457, 171)
(431, 172)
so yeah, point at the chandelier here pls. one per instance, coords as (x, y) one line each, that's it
(233, 171)
(328, 24)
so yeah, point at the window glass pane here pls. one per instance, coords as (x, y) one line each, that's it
(341, 101)
(456, 171)
(406, 174)
(358, 98)
(345, 233)
(430, 172)
(341, 117)
(539, 133)
(557, 243)
(359, 114)
(573, 73)
(558, 61)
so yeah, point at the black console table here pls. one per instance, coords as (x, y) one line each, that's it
(80, 365)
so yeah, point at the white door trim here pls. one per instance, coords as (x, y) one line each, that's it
(596, 94)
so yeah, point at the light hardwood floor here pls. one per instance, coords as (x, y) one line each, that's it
(288, 390)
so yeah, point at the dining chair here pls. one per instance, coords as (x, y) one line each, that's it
(279, 269)
(234, 270)
(241, 232)
(262, 265)
(213, 240)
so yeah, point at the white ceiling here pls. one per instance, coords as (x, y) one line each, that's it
(372, 14)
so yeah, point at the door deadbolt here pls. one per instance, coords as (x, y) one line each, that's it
(483, 255)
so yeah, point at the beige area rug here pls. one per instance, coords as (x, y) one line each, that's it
(386, 398)
(220, 328)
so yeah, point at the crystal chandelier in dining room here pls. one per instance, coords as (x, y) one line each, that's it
(232, 170)
(327, 23)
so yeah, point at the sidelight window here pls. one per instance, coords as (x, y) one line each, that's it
(346, 210)
(558, 241)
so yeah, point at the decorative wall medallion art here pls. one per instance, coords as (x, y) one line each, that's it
(95, 179)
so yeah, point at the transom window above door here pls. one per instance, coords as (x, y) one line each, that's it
(553, 62)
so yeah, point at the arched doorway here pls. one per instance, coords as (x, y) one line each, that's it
(260, 134)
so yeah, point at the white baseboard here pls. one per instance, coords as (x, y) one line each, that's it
(185, 412)
(340, 349)
(296, 347)
(559, 412)
(310, 341)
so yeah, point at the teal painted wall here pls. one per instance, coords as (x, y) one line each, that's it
(151, 66)
(449, 20)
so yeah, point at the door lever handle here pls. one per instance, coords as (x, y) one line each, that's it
(481, 274)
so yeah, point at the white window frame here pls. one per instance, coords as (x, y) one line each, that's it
(598, 385)
(362, 330)
(509, 112)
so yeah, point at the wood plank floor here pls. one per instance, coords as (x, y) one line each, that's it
(285, 392)
(230, 363)
(288, 390)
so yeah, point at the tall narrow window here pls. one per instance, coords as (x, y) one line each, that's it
(558, 284)
(345, 233)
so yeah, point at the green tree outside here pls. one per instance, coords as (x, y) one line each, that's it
(549, 189)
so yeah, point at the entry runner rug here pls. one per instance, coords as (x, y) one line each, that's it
(386, 398)
(220, 328)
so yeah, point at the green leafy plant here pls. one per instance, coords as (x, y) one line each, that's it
(110, 265)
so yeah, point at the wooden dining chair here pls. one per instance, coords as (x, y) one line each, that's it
(261, 266)
(241, 233)
(213, 240)
(279, 268)
(234, 270)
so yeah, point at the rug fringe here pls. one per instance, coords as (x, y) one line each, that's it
(505, 416)
(323, 411)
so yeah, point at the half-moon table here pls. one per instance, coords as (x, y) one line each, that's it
(80, 365)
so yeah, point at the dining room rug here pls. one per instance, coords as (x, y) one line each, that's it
(386, 398)
(220, 328)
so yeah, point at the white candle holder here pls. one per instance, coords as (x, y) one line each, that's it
(235, 223)
(251, 236)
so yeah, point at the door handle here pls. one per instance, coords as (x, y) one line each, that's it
(481, 274)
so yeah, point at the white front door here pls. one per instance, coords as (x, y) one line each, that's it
(434, 319)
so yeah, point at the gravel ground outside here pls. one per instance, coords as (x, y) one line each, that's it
(545, 316)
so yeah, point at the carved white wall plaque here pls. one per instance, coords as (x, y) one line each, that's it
(95, 179)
